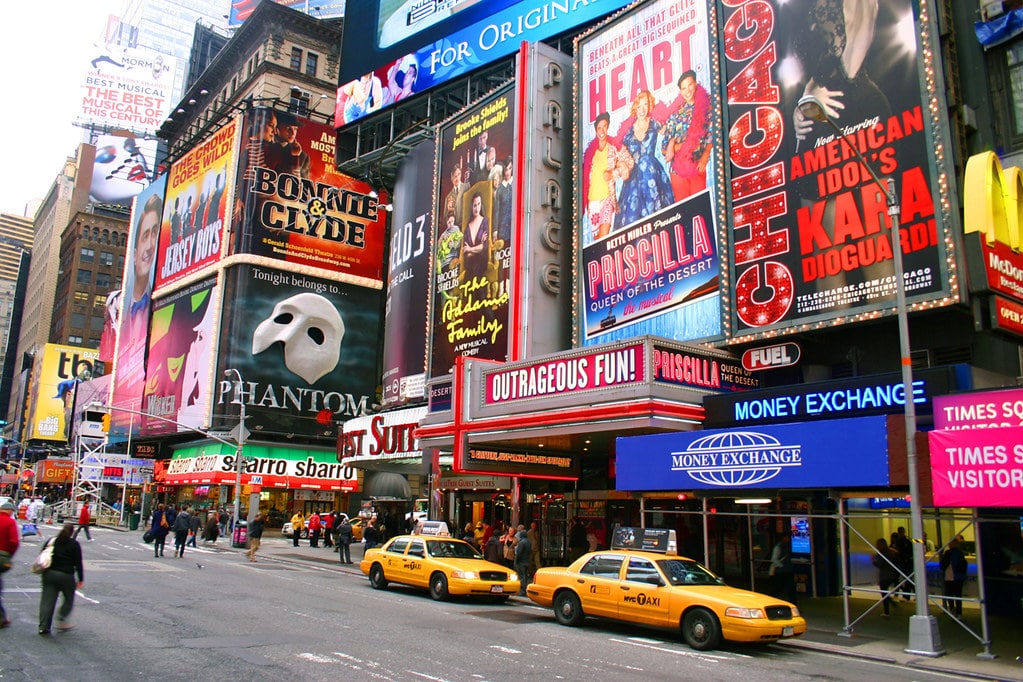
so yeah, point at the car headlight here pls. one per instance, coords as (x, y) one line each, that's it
(795, 611)
(743, 612)
(464, 575)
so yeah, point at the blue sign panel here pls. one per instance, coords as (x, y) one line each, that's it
(841, 452)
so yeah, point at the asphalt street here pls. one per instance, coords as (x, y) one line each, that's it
(297, 614)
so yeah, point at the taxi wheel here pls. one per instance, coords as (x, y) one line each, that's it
(567, 608)
(439, 586)
(700, 629)
(376, 577)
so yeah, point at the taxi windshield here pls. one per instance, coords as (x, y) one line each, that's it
(688, 572)
(452, 549)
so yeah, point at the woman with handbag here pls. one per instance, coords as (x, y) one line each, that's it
(59, 578)
(158, 529)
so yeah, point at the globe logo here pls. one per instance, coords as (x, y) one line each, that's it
(736, 458)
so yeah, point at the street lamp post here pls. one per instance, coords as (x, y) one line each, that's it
(239, 450)
(924, 638)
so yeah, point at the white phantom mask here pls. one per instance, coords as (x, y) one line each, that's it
(310, 329)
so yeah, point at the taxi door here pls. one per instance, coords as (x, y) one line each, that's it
(394, 561)
(639, 600)
(415, 564)
(597, 585)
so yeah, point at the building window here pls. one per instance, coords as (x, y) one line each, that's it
(87, 255)
(99, 301)
(311, 62)
(96, 323)
(77, 320)
(1014, 63)
(84, 277)
(82, 298)
(106, 258)
(120, 263)
(75, 339)
(102, 279)
(296, 59)
(93, 342)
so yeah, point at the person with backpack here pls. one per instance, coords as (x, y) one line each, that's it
(182, 524)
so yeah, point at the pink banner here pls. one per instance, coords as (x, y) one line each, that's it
(977, 467)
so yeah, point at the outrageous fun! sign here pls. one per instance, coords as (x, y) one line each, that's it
(649, 261)
(812, 238)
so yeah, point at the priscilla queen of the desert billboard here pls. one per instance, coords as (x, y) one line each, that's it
(810, 233)
(648, 257)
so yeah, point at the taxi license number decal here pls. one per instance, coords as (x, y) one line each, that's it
(787, 631)
(500, 588)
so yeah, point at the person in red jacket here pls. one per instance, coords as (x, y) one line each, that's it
(10, 538)
(314, 529)
(83, 521)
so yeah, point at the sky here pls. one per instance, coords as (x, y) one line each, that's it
(44, 50)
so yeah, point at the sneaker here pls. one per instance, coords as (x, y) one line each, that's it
(64, 627)
(43, 631)
(884, 615)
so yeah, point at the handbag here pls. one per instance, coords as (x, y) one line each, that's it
(28, 528)
(44, 559)
(147, 537)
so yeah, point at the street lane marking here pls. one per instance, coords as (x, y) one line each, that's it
(709, 658)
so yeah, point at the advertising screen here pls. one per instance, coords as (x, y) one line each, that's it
(408, 289)
(181, 351)
(473, 234)
(136, 304)
(127, 88)
(811, 236)
(59, 370)
(649, 260)
(404, 48)
(196, 210)
(123, 167)
(302, 345)
(296, 208)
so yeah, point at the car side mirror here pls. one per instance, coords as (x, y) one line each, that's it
(655, 580)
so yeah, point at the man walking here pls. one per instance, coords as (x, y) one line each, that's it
(255, 536)
(344, 540)
(83, 521)
(9, 540)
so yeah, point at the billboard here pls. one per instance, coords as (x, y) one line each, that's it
(977, 467)
(472, 263)
(646, 162)
(136, 304)
(408, 281)
(302, 344)
(404, 48)
(321, 9)
(57, 372)
(195, 213)
(804, 455)
(127, 88)
(296, 208)
(810, 237)
(123, 167)
(180, 359)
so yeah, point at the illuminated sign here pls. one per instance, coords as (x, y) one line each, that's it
(804, 455)
(387, 435)
(977, 467)
(536, 464)
(694, 369)
(981, 410)
(276, 467)
(878, 394)
(771, 357)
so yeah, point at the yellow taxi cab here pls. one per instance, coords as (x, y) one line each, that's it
(444, 565)
(642, 579)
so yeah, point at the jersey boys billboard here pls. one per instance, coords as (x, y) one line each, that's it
(649, 250)
(296, 208)
(811, 237)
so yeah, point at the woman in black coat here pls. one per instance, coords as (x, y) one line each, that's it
(158, 529)
(59, 578)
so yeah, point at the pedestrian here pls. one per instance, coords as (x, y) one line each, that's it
(83, 521)
(344, 540)
(212, 529)
(59, 578)
(194, 523)
(509, 541)
(35, 510)
(370, 535)
(10, 538)
(578, 544)
(523, 554)
(182, 522)
(297, 526)
(255, 536)
(222, 520)
(886, 560)
(781, 568)
(468, 535)
(159, 528)
(314, 529)
(534, 543)
(903, 547)
(328, 522)
(493, 550)
(172, 514)
(954, 570)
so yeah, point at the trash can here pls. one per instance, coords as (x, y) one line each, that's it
(241, 533)
(133, 520)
